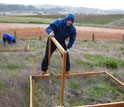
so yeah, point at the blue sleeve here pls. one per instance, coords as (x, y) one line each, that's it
(52, 27)
(72, 39)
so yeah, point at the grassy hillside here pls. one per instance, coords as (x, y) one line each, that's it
(14, 19)
(87, 19)
(81, 20)
(15, 68)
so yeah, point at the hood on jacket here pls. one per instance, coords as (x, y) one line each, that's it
(70, 17)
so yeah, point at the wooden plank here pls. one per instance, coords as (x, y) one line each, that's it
(115, 104)
(32, 28)
(115, 79)
(68, 75)
(61, 49)
(49, 57)
(63, 79)
(14, 50)
(31, 92)
(5, 50)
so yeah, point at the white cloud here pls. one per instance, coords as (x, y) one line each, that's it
(102, 4)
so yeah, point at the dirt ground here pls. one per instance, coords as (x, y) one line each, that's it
(82, 32)
(85, 56)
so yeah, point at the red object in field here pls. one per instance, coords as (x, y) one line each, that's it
(83, 33)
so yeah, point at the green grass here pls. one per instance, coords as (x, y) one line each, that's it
(3, 92)
(98, 91)
(104, 46)
(75, 84)
(82, 63)
(122, 48)
(27, 57)
(80, 20)
(14, 66)
(85, 19)
(110, 62)
(98, 19)
(27, 101)
(81, 103)
(2, 84)
(14, 19)
(94, 92)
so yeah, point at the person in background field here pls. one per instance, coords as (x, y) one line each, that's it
(8, 38)
(61, 29)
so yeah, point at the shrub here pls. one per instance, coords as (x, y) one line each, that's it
(100, 61)
(112, 63)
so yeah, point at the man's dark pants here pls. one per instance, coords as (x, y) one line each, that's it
(44, 65)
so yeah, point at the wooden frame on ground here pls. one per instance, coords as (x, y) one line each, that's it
(14, 50)
(114, 104)
(63, 76)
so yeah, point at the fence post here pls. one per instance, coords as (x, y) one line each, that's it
(40, 34)
(15, 35)
(93, 37)
(49, 54)
(63, 79)
(123, 37)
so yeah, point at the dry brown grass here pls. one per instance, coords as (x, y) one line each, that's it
(14, 82)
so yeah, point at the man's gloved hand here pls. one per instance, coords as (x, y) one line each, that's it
(68, 50)
(51, 34)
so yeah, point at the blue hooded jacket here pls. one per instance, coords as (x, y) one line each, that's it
(10, 38)
(62, 31)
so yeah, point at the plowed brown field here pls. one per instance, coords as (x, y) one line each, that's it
(83, 33)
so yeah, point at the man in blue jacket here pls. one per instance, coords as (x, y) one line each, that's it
(8, 38)
(61, 29)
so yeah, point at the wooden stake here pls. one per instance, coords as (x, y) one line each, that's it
(93, 38)
(31, 92)
(27, 48)
(40, 34)
(15, 35)
(63, 78)
(49, 54)
(123, 37)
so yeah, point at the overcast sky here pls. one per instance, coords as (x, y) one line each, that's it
(101, 4)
